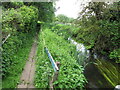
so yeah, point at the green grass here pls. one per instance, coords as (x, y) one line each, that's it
(70, 74)
(15, 70)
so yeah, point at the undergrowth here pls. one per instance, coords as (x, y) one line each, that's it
(70, 74)
(17, 59)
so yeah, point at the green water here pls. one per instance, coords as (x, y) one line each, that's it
(102, 74)
(99, 73)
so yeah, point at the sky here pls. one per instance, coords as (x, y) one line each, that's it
(70, 8)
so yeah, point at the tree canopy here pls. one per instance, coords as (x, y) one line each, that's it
(99, 30)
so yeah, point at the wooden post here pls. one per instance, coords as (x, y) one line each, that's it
(56, 66)
(55, 77)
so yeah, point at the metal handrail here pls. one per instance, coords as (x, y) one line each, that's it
(54, 65)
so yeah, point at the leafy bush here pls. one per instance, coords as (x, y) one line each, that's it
(30, 18)
(115, 54)
(23, 19)
(99, 32)
(12, 4)
(15, 53)
(10, 48)
(70, 74)
(11, 21)
(16, 22)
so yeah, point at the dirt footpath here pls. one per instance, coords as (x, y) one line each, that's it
(27, 77)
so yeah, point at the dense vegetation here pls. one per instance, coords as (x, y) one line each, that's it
(21, 28)
(19, 20)
(99, 29)
(22, 21)
(70, 74)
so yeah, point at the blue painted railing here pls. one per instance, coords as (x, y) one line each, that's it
(54, 65)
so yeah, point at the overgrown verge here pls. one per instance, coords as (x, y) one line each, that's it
(70, 74)
(14, 59)
(20, 22)
(19, 19)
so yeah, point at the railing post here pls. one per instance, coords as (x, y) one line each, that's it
(55, 77)
(56, 67)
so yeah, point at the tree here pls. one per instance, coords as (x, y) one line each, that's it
(64, 19)
(99, 28)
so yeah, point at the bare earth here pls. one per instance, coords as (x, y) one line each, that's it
(27, 77)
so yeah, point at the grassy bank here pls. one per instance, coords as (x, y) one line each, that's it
(70, 74)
